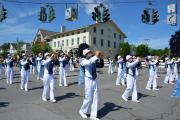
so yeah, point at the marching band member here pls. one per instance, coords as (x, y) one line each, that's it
(131, 79)
(25, 66)
(32, 66)
(71, 64)
(175, 69)
(110, 68)
(39, 66)
(152, 74)
(1, 65)
(120, 70)
(91, 92)
(62, 70)
(9, 68)
(169, 71)
(48, 79)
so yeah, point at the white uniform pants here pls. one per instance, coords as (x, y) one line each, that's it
(0, 72)
(131, 87)
(169, 76)
(110, 70)
(48, 82)
(152, 80)
(71, 67)
(119, 76)
(62, 76)
(91, 97)
(24, 78)
(32, 69)
(39, 72)
(175, 74)
(9, 74)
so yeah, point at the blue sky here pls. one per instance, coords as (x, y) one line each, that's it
(22, 21)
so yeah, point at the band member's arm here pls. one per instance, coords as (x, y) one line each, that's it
(133, 64)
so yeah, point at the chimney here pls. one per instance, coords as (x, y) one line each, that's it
(63, 28)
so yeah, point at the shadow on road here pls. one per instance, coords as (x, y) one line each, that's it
(68, 95)
(72, 75)
(4, 104)
(109, 107)
(74, 83)
(35, 88)
(141, 95)
(2, 88)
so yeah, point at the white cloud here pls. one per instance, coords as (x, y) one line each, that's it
(89, 8)
(21, 16)
(25, 29)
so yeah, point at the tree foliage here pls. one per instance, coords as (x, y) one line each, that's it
(40, 48)
(175, 44)
(125, 48)
(142, 50)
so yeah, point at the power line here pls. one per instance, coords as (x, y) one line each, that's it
(32, 2)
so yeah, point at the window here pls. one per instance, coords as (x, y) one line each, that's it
(72, 41)
(102, 31)
(102, 42)
(84, 39)
(119, 37)
(78, 40)
(114, 35)
(72, 33)
(62, 43)
(62, 35)
(114, 44)
(54, 44)
(78, 32)
(94, 41)
(109, 44)
(67, 34)
(94, 29)
(67, 42)
(84, 31)
(58, 43)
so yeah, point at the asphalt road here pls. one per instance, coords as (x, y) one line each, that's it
(16, 104)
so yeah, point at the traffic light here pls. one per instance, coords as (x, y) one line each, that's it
(155, 16)
(3, 13)
(51, 15)
(96, 15)
(42, 16)
(106, 15)
(145, 17)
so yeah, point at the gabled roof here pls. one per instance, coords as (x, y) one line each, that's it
(46, 32)
(85, 27)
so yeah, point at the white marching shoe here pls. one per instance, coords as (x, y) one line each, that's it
(83, 115)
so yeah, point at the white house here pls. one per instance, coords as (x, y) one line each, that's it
(105, 37)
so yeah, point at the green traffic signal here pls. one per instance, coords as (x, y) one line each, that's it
(51, 15)
(3, 13)
(145, 17)
(106, 15)
(96, 15)
(155, 16)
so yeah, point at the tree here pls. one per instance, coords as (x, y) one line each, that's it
(125, 48)
(133, 49)
(18, 46)
(5, 47)
(175, 44)
(40, 48)
(142, 50)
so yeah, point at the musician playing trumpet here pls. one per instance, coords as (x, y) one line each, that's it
(9, 68)
(91, 92)
(25, 67)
